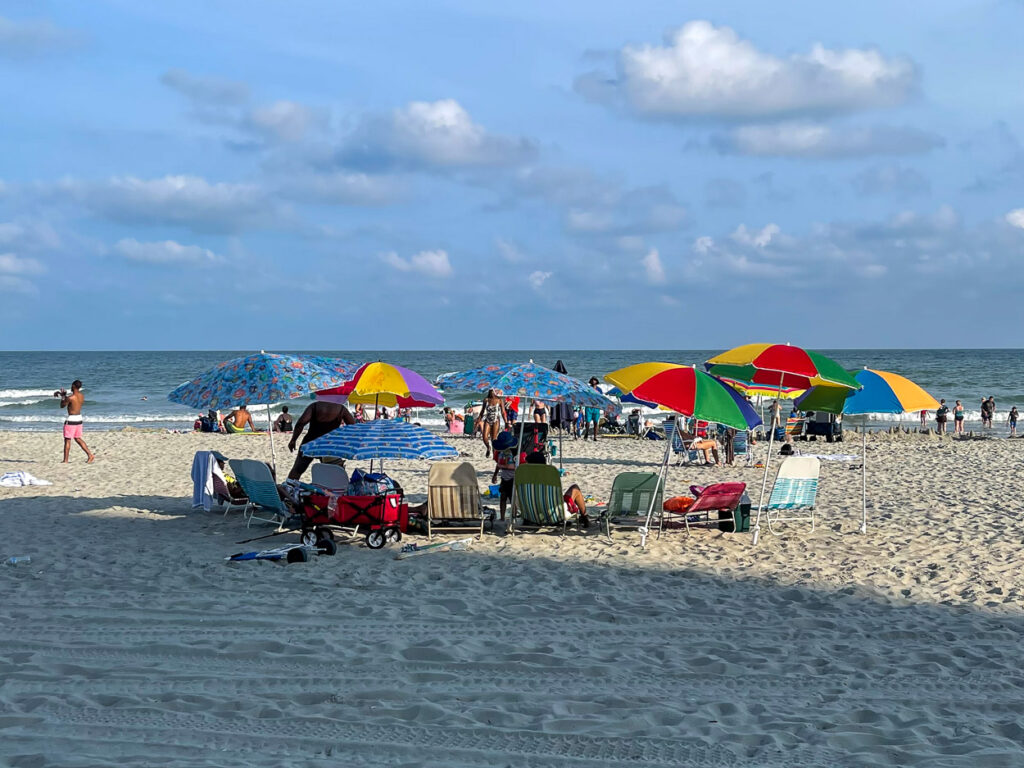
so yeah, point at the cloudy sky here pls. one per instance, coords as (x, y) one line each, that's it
(535, 175)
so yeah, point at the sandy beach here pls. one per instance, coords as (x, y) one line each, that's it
(129, 641)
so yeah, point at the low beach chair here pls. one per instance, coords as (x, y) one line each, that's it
(333, 477)
(538, 497)
(631, 498)
(453, 497)
(741, 448)
(258, 484)
(795, 490)
(719, 497)
(680, 447)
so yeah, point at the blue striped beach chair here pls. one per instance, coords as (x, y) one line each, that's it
(538, 497)
(681, 448)
(794, 493)
(259, 486)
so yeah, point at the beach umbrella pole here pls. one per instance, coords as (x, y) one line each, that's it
(864, 477)
(519, 452)
(662, 477)
(270, 431)
(767, 462)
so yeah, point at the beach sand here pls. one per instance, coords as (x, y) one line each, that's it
(129, 641)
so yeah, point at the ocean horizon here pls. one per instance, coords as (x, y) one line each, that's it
(129, 388)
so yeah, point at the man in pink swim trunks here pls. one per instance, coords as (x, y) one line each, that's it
(73, 424)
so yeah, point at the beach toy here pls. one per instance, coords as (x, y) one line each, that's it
(494, 490)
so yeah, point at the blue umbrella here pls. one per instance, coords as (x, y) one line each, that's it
(380, 439)
(262, 379)
(529, 380)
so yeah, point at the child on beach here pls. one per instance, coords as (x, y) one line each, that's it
(505, 460)
(1012, 421)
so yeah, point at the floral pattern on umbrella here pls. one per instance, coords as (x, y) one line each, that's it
(262, 379)
(528, 380)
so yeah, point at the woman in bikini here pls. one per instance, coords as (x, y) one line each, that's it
(540, 412)
(492, 416)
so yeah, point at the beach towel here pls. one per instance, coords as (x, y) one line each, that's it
(21, 478)
(831, 456)
(204, 467)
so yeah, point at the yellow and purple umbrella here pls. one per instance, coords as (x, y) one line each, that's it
(385, 384)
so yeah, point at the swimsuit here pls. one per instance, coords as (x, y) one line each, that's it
(73, 426)
(491, 414)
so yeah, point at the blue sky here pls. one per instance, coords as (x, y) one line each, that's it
(562, 175)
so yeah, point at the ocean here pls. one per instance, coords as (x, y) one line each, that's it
(130, 388)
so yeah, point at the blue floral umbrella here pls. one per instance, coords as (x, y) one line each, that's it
(380, 439)
(262, 379)
(528, 380)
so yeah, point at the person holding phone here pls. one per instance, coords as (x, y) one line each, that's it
(73, 401)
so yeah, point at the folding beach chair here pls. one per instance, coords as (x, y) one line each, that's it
(630, 499)
(795, 490)
(453, 497)
(258, 484)
(680, 447)
(538, 497)
(719, 497)
(794, 427)
(333, 477)
(741, 448)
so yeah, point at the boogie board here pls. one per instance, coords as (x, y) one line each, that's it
(412, 550)
(277, 553)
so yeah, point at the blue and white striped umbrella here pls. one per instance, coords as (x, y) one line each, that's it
(380, 439)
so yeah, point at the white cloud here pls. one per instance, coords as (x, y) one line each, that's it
(758, 238)
(164, 252)
(704, 70)
(432, 263)
(284, 120)
(510, 252)
(32, 37)
(1015, 218)
(10, 264)
(14, 272)
(172, 200)
(806, 139)
(436, 134)
(653, 267)
(538, 278)
(890, 179)
(341, 188)
(703, 244)
(28, 235)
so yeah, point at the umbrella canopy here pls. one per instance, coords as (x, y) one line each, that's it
(733, 375)
(776, 365)
(528, 380)
(882, 392)
(385, 384)
(381, 439)
(686, 390)
(262, 379)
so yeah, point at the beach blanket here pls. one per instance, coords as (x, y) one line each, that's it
(20, 478)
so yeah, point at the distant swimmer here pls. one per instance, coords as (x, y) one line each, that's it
(73, 423)
(143, 398)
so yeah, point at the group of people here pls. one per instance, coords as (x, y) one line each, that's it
(382, 412)
(988, 411)
(237, 421)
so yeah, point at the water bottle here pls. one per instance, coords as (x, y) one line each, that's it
(19, 560)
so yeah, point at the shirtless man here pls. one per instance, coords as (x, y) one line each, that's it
(73, 424)
(237, 419)
(322, 417)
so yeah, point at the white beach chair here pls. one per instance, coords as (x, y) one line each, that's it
(795, 491)
(333, 477)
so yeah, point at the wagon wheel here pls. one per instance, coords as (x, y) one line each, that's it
(308, 538)
(298, 555)
(392, 535)
(375, 539)
(327, 547)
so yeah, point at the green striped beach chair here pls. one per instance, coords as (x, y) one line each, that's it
(538, 497)
(794, 493)
(258, 484)
(630, 499)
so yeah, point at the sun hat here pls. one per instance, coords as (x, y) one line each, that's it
(504, 441)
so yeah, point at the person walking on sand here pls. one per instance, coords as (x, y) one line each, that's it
(1011, 419)
(73, 423)
(592, 416)
(958, 418)
(321, 417)
(492, 416)
(924, 418)
(940, 417)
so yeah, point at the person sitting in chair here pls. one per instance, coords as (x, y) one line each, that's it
(575, 501)
(709, 447)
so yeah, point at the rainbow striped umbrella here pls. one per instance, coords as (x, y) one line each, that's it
(782, 366)
(686, 390)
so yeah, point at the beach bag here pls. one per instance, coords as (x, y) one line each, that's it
(370, 484)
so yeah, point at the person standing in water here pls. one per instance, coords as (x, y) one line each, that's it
(1011, 419)
(958, 418)
(73, 423)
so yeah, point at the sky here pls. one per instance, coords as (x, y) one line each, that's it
(466, 175)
